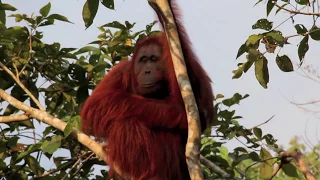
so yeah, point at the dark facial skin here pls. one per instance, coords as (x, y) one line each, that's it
(149, 72)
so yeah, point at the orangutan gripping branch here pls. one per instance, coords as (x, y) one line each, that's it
(139, 110)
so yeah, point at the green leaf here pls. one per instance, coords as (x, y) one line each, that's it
(243, 48)
(34, 165)
(261, 71)
(2, 15)
(149, 26)
(284, 63)
(3, 165)
(302, 2)
(303, 48)
(94, 59)
(51, 146)
(218, 96)
(254, 39)
(89, 11)
(282, 6)
(290, 170)
(263, 24)
(32, 148)
(239, 158)
(96, 42)
(68, 129)
(115, 24)
(254, 156)
(270, 6)
(245, 96)
(108, 3)
(232, 101)
(300, 29)
(47, 130)
(129, 25)
(238, 72)
(18, 17)
(276, 37)
(47, 22)
(269, 139)
(253, 55)
(241, 149)
(44, 11)
(259, 1)
(7, 43)
(26, 123)
(58, 17)
(266, 165)
(247, 65)
(67, 50)
(12, 142)
(7, 7)
(224, 153)
(315, 33)
(87, 49)
(257, 132)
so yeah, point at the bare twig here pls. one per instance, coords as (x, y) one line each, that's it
(51, 171)
(296, 12)
(263, 122)
(80, 166)
(306, 103)
(276, 170)
(298, 35)
(73, 166)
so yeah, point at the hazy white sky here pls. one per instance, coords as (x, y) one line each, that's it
(217, 29)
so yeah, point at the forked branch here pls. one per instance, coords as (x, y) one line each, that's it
(52, 121)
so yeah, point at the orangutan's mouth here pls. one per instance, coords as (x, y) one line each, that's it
(149, 85)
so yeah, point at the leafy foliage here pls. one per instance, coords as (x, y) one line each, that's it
(62, 76)
(273, 40)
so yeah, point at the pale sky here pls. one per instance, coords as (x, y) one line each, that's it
(217, 29)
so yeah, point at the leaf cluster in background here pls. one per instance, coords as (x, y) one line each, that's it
(274, 41)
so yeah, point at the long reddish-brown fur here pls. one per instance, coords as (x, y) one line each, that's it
(146, 137)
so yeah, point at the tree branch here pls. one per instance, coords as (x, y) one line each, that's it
(194, 134)
(296, 12)
(22, 86)
(213, 167)
(55, 122)
(286, 157)
(13, 118)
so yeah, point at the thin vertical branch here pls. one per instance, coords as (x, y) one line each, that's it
(163, 9)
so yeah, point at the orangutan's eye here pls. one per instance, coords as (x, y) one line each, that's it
(143, 59)
(153, 58)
